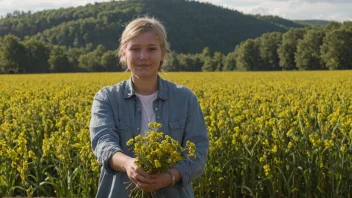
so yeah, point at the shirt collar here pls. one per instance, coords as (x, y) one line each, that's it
(162, 89)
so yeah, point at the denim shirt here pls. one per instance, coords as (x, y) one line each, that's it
(116, 117)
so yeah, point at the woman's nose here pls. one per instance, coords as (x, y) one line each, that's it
(143, 55)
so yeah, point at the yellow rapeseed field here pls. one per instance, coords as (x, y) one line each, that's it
(272, 134)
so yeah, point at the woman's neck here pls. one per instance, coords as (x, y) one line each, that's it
(145, 86)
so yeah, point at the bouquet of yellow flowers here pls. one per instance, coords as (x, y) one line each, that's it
(156, 153)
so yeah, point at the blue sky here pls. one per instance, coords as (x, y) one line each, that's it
(337, 10)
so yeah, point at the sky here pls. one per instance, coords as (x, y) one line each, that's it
(335, 10)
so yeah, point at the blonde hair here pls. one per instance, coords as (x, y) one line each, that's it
(142, 25)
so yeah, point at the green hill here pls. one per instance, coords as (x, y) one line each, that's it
(312, 22)
(279, 21)
(191, 25)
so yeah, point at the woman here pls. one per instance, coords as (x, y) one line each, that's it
(123, 111)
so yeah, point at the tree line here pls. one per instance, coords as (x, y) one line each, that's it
(310, 48)
(191, 25)
(298, 49)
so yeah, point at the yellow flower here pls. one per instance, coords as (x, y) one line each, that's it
(129, 142)
(156, 152)
(266, 170)
(262, 159)
(343, 148)
(274, 150)
(157, 164)
(328, 144)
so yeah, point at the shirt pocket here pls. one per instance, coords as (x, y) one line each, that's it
(177, 129)
(122, 131)
(121, 126)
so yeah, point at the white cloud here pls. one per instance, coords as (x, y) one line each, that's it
(338, 10)
(8, 6)
(319, 1)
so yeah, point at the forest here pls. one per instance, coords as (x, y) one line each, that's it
(202, 36)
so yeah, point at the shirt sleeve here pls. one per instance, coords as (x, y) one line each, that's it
(103, 133)
(195, 131)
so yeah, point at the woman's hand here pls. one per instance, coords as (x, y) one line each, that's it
(156, 182)
(144, 181)
(136, 174)
(123, 163)
(161, 180)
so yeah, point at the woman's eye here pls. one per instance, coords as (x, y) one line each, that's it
(134, 49)
(152, 49)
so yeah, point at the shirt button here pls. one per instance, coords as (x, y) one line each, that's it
(137, 129)
(156, 109)
(139, 109)
(157, 117)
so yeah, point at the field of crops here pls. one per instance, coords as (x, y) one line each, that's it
(272, 134)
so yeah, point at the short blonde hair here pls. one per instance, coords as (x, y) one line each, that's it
(142, 25)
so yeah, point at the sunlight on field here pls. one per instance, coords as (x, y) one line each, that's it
(272, 134)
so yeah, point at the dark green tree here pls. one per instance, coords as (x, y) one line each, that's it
(58, 60)
(92, 60)
(172, 63)
(198, 62)
(12, 54)
(110, 62)
(288, 48)
(37, 56)
(218, 61)
(230, 62)
(336, 49)
(184, 62)
(100, 50)
(347, 25)
(307, 56)
(209, 64)
(269, 44)
(73, 55)
(247, 55)
(333, 25)
(205, 53)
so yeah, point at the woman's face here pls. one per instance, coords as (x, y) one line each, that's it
(143, 55)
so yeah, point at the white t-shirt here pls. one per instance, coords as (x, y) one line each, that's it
(148, 114)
